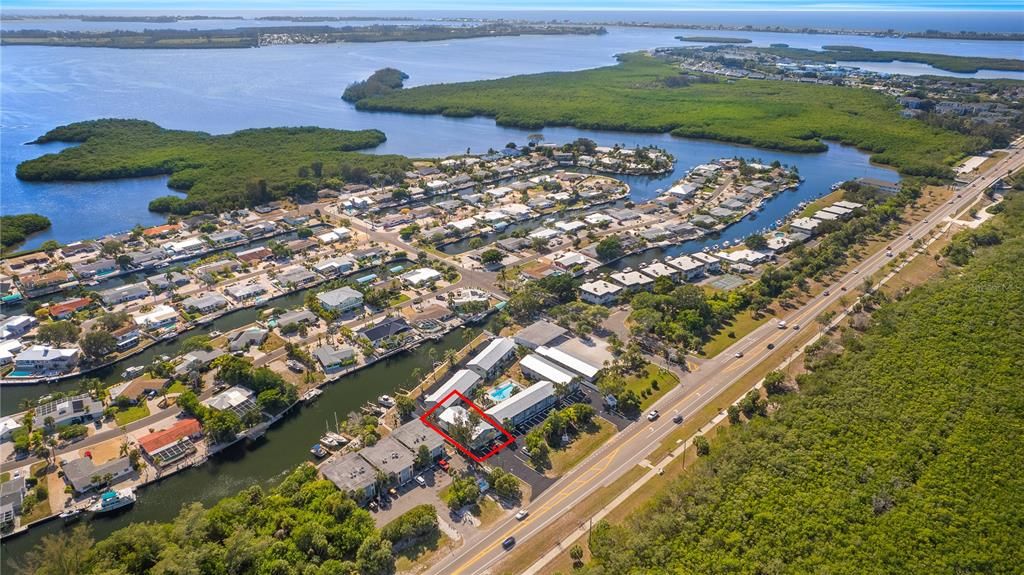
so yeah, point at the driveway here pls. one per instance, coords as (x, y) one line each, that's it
(412, 494)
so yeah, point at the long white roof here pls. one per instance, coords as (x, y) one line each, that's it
(570, 361)
(521, 401)
(493, 353)
(545, 369)
(463, 381)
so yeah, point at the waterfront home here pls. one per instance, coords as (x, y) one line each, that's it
(8, 349)
(623, 215)
(341, 300)
(254, 255)
(66, 410)
(465, 296)
(204, 303)
(125, 293)
(599, 292)
(100, 267)
(388, 328)
(238, 400)
(824, 216)
(464, 381)
(632, 280)
(299, 246)
(249, 337)
(711, 263)
(420, 277)
(168, 280)
(703, 221)
(539, 333)
(242, 292)
(334, 357)
(161, 231)
(187, 246)
(882, 185)
(16, 326)
(208, 272)
(226, 237)
(334, 266)
(392, 458)
(538, 368)
(159, 317)
(28, 261)
(658, 270)
(296, 276)
(12, 495)
(146, 258)
(513, 245)
(166, 446)
(805, 225)
(40, 360)
(492, 360)
(197, 360)
(462, 226)
(688, 266)
(352, 475)
(126, 337)
(598, 219)
(34, 282)
(415, 434)
(83, 474)
(8, 425)
(848, 205)
(517, 211)
(298, 316)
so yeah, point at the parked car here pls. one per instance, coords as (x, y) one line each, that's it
(420, 481)
(443, 464)
(653, 415)
(522, 514)
(509, 543)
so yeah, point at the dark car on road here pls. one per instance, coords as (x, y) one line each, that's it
(509, 543)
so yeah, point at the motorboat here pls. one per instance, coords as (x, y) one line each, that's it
(113, 500)
(132, 372)
(311, 395)
(318, 451)
(386, 401)
(71, 515)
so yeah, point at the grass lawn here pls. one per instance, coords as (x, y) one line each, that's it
(487, 511)
(40, 510)
(272, 343)
(5, 477)
(653, 379)
(126, 416)
(564, 459)
(741, 325)
(398, 299)
(38, 468)
(822, 202)
(177, 387)
(421, 555)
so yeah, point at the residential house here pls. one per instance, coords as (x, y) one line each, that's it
(169, 280)
(387, 328)
(599, 292)
(243, 292)
(41, 360)
(16, 326)
(296, 276)
(334, 266)
(243, 340)
(539, 333)
(160, 317)
(83, 475)
(226, 237)
(126, 337)
(333, 357)
(298, 316)
(125, 293)
(204, 303)
(341, 300)
(197, 360)
(420, 277)
(99, 267)
(255, 255)
(239, 400)
(67, 410)
(172, 444)
(492, 360)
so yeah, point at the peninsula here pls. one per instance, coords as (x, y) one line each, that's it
(216, 172)
(254, 37)
(650, 94)
(714, 39)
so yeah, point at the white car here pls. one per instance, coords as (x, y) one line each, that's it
(653, 415)
(522, 514)
(420, 481)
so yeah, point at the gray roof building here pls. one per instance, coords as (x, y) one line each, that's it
(301, 315)
(492, 356)
(81, 472)
(351, 474)
(539, 333)
(246, 339)
(332, 357)
(205, 303)
(391, 457)
(416, 433)
(341, 299)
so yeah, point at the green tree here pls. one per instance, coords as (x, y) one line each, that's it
(405, 406)
(701, 444)
(98, 344)
(58, 332)
(491, 257)
(775, 382)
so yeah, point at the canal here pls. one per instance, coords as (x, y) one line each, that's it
(285, 446)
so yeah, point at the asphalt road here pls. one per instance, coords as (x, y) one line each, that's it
(635, 444)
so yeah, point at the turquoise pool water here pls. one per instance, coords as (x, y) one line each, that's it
(502, 392)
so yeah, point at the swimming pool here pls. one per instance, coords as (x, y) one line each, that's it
(502, 392)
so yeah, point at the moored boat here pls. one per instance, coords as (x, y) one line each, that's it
(113, 500)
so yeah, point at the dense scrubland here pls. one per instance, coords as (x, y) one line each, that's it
(216, 172)
(15, 229)
(898, 454)
(840, 53)
(639, 95)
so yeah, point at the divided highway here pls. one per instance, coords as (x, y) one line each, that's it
(633, 445)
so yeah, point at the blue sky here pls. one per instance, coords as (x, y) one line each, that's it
(470, 5)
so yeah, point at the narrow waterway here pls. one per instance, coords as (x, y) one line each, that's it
(285, 446)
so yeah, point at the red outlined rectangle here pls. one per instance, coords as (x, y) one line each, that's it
(468, 452)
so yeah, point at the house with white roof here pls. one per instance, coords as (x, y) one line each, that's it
(805, 225)
(711, 263)
(160, 316)
(598, 219)
(492, 360)
(689, 267)
(46, 360)
(341, 300)
(462, 226)
(632, 280)
(599, 292)
(420, 276)
(519, 408)
(658, 269)
(464, 381)
(570, 227)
